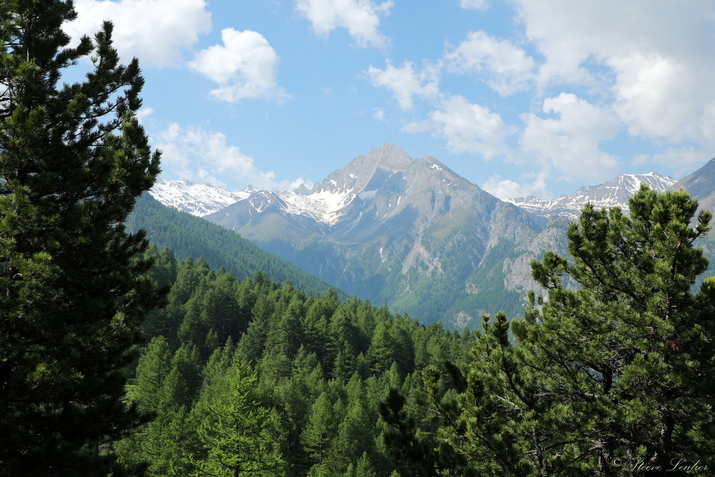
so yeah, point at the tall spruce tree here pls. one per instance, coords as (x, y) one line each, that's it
(239, 436)
(73, 159)
(614, 378)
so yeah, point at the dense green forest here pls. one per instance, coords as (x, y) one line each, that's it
(117, 359)
(252, 375)
(189, 236)
(617, 377)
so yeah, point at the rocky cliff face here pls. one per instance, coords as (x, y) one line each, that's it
(700, 185)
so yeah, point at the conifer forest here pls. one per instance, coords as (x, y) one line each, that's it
(118, 359)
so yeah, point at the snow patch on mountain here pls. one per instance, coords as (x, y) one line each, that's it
(196, 199)
(614, 193)
(323, 205)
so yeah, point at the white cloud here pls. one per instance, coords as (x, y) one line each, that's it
(192, 153)
(144, 113)
(379, 114)
(405, 82)
(154, 31)
(658, 54)
(641, 68)
(682, 159)
(474, 4)
(507, 67)
(663, 97)
(571, 143)
(466, 127)
(506, 188)
(360, 17)
(245, 66)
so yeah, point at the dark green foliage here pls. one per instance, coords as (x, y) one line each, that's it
(73, 159)
(314, 371)
(615, 378)
(153, 369)
(415, 457)
(410, 443)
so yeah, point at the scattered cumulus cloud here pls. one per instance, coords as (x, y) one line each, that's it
(506, 188)
(664, 98)
(154, 31)
(570, 142)
(378, 114)
(193, 153)
(361, 18)
(245, 66)
(634, 72)
(144, 113)
(685, 159)
(405, 82)
(506, 67)
(466, 127)
(661, 74)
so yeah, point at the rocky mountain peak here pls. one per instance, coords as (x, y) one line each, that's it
(700, 185)
(361, 170)
(390, 157)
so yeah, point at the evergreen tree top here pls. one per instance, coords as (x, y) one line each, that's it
(73, 160)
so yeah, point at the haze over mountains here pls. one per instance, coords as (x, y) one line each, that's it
(410, 232)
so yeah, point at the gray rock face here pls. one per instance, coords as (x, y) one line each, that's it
(700, 185)
(394, 229)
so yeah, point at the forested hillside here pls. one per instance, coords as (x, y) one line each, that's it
(189, 236)
(614, 378)
(251, 375)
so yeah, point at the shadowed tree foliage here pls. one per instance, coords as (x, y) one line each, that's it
(73, 159)
(615, 378)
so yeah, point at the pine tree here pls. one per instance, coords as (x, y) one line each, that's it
(153, 368)
(73, 159)
(615, 378)
(321, 429)
(238, 435)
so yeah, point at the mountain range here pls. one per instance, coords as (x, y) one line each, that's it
(196, 199)
(412, 232)
(614, 193)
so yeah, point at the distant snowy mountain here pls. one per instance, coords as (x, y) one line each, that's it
(391, 228)
(409, 232)
(321, 204)
(196, 199)
(614, 193)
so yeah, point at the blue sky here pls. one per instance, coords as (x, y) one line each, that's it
(520, 97)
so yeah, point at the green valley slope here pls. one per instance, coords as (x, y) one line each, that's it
(189, 236)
